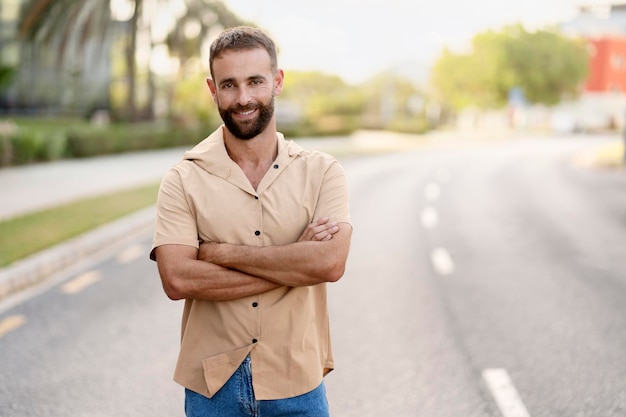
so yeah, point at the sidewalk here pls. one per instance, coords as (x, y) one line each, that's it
(25, 189)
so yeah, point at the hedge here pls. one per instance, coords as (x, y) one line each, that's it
(27, 144)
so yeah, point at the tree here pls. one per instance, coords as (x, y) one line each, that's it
(393, 102)
(321, 95)
(326, 103)
(64, 23)
(67, 25)
(50, 42)
(545, 65)
(458, 78)
(184, 42)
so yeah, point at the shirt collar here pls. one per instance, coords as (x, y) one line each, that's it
(211, 154)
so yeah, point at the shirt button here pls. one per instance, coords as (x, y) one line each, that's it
(257, 233)
(254, 340)
(275, 166)
(255, 304)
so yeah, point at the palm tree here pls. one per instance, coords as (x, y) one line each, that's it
(202, 15)
(68, 25)
(61, 29)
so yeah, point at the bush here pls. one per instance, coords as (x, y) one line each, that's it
(25, 146)
(322, 126)
(89, 141)
(34, 140)
(83, 142)
(7, 130)
(409, 125)
(54, 147)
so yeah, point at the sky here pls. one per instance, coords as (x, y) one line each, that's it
(357, 39)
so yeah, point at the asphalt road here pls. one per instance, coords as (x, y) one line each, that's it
(484, 280)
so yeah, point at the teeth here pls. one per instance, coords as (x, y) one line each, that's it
(245, 113)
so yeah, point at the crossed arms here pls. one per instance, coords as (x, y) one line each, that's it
(222, 271)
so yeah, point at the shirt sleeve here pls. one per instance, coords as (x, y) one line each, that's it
(175, 218)
(334, 199)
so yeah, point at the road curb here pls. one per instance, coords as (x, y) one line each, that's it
(34, 269)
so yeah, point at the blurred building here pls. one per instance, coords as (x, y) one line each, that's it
(607, 65)
(603, 103)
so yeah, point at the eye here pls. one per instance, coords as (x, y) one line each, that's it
(226, 86)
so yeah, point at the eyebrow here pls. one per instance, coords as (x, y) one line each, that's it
(233, 80)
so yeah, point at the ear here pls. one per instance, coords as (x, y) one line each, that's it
(279, 78)
(212, 89)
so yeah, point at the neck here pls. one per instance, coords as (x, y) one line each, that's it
(261, 149)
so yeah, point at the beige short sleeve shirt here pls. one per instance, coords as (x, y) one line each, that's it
(207, 197)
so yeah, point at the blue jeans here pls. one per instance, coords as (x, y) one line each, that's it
(236, 399)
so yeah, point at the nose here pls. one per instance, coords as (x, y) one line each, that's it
(243, 96)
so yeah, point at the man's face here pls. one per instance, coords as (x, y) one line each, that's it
(244, 87)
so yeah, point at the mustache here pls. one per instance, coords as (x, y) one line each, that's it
(237, 108)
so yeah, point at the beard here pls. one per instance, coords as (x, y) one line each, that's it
(250, 128)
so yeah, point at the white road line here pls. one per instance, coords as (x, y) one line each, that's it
(429, 217)
(442, 261)
(131, 253)
(11, 323)
(432, 191)
(504, 393)
(81, 282)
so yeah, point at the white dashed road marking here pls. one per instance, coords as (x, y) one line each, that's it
(442, 261)
(11, 323)
(504, 393)
(81, 282)
(430, 218)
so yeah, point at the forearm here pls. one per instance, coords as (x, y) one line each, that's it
(286, 265)
(193, 279)
(297, 264)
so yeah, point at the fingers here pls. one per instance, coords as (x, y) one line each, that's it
(322, 229)
(319, 230)
(327, 234)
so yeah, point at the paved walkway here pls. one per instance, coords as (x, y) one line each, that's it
(29, 188)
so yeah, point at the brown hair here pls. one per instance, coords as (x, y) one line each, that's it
(240, 38)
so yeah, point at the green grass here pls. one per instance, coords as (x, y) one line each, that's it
(25, 235)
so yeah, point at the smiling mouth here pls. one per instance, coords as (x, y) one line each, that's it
(245, 113)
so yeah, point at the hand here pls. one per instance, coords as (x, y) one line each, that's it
(320, 230)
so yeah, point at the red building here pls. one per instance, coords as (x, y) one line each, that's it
(607, 65)
(603, 102)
